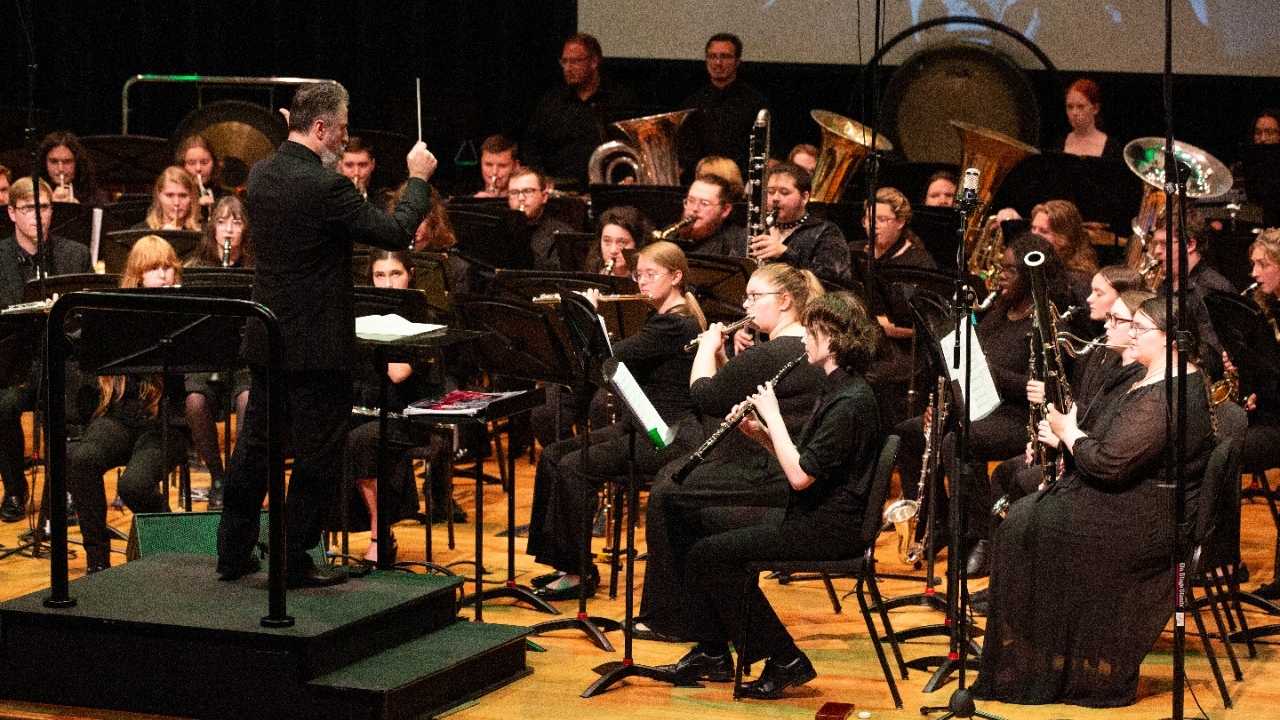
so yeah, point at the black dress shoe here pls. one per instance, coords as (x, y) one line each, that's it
(980, 602)
(979, 563)
(12, 510)
(698, 665)
(568, 593)
(777, 677)
(314, 576)
(234, 570)
(641, 631)
(1269, 591)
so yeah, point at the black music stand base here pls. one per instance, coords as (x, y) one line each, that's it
(612, 673)
(593, 627)
(960, 706)
(519, 593)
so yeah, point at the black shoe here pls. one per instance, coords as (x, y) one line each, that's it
(777, 677)
(12, 509)
(306, 574)
(1270, 591)
(698, 665)
(980, 602)
(641, 631)
(544, 580)
(571, 592)
(979, 562)
(234, 570)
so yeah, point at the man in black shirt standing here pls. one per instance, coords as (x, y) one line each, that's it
(728, 107)
(572, 120)
(305, 218)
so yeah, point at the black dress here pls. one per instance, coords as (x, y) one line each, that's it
(1083, 580)
(737, 472)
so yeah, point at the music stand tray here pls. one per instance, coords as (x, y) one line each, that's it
(720, 284)
(115, 248)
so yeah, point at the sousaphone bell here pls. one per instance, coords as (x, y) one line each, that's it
(651, 152)
(845, 145)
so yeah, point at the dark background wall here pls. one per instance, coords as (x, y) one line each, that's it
(483, 65)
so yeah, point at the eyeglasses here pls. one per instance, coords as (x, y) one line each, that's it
(649, 275)
(721, 56)
(524, 192)
(1116, 320)
(699, 203)
(752, 297)
(1137, 330)
(31, 209)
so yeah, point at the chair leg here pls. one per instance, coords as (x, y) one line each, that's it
(868, 578)
(1213, 596)
(740, 643)
(831, 593)
(1209, 653)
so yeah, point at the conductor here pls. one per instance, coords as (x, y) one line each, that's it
(306, 217)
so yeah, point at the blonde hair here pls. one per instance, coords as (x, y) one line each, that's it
(179, 175)
(1076, 253)
(670, 257)
(725, 168)
(148, 253)
(802, 285)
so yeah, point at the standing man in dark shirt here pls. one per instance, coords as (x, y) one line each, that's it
(728, 107)
(572, 120)
(17, 266)
(305, 218)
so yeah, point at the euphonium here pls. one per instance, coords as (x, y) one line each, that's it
(651, 153)
(845, 144)
(993, 155)
(988, 253)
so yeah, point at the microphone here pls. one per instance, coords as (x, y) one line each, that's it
(967, 200)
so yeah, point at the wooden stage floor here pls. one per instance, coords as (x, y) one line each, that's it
(838, 644)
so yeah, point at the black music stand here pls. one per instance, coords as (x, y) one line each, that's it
(21, 335)
(662, 204)
(73, 221)
(524, 341)
(219, 277)
(114, 250)
(499, 238)
(63, 284)
(124, 214)
(573, 248)
(612, 673)
(622, 318)
(592, 349)
(130, 162)
(720, 284)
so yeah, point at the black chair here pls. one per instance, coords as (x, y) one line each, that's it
(863, 568)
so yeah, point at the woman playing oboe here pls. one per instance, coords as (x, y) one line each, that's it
(828, 467)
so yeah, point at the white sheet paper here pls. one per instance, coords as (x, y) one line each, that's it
(629, 390)
(390, 327)
(984, 397)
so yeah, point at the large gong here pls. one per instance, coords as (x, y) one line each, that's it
(971, 83)
(240, 133)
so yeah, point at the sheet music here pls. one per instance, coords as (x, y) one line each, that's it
(626, 387)
(390, 327)
(984, 397)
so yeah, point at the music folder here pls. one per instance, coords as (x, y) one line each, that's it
(642, 411)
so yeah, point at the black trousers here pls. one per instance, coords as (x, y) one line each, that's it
(318, 406)
(108, 443)
(13, 402)
(716, 568)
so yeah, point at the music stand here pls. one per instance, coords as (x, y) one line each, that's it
(218, 277)
(125, 214)
(114, 250)
(73, 221)
(936, 228)
(573, 248)
(63, 284)
(622, 318)
(524, 341)
(497, 237)
(662, 204)
(612, 673)
(21, 335)
(720, 284)
(129, 162)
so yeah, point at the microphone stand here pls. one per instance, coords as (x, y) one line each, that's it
(961, 704)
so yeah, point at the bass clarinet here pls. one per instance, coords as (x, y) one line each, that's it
(757, 164)
(729, 423)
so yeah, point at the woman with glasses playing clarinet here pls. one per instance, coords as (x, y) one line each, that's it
(1083, 583)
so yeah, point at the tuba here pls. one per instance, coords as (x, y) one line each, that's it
(993, 154)
(1145, 157)
(845, 144)
(651, 152)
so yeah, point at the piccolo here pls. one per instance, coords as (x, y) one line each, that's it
(729, 423)
(693, 344)
(554, 298)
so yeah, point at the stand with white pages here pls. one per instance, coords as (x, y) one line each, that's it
(644, 418)
(390, 327)
(983, 398)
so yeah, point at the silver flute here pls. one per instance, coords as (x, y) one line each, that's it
(693, 344)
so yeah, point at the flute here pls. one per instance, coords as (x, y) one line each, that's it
(693, 344)
(554, 298)
(729, 423)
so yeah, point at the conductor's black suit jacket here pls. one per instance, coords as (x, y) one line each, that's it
(305, 219)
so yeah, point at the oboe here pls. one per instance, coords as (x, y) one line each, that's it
(693, 344)
(729, 423)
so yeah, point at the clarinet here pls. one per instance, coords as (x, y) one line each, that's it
(729, 423)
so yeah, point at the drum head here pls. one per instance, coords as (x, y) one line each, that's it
(240, 134)
(972, 83)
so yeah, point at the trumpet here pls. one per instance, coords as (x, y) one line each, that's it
(64, 185)
(674, 228)
(554, 298)
(226, 251)
(493, 184)
(731, 327)
(729, 423)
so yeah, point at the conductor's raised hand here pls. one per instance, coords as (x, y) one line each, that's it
(422, 164)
